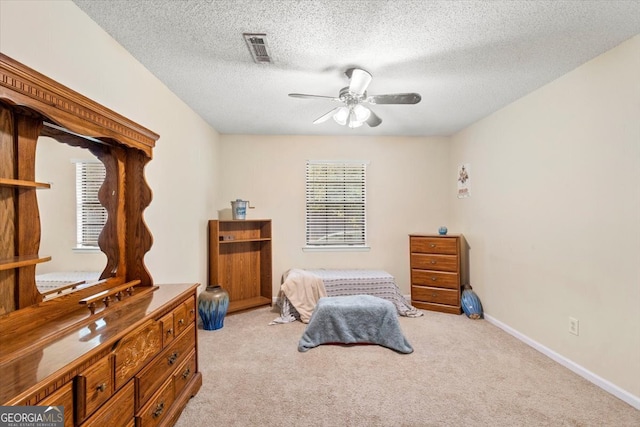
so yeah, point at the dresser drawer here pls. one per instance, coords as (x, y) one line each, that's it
(434, 262)
(118, 411)
(152, 413)
(94, 386)
(62, 397)
(434, 245)
(184, 315)
(437, 295)
(437, 279)
(184, 373)
(168, 329)
(162, 367)
(135, 350)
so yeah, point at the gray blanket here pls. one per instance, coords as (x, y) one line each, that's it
(356, 319)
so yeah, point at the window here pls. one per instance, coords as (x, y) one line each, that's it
(90, 214)
(336, 204)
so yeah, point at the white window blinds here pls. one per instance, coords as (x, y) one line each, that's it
(90, 215)
(336, 204)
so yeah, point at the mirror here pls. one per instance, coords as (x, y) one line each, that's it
(56, 164)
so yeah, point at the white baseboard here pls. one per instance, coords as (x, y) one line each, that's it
(584, 373)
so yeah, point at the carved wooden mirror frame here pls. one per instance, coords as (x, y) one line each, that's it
(32, 105)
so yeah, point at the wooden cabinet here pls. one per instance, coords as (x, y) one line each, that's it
(118, 352)
(117, 374)
(240, 261)
(438, 271)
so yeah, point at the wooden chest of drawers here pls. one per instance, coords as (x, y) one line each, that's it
(133, 365)
(438, 271)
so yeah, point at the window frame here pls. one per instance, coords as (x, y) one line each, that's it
(89, 176)
(357, 206)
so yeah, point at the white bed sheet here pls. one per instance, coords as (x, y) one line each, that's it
(378, 283)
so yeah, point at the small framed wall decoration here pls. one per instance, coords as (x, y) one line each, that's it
(464, 180)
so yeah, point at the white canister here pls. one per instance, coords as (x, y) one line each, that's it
(239, 208)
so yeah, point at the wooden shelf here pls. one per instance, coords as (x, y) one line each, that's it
(22, 261)
(8, 182)
(240, 261)
(248, 303)
(244, 241)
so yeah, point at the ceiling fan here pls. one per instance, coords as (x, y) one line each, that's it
(353, 113)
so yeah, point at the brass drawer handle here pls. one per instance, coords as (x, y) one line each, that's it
(433, 261)
(170, 331)
(186, 373)
(433, 245)
(433, 294)
(172, 359)
(181, 322)
(158, 410)
(433, 279)
(192, 311)
(102, 387)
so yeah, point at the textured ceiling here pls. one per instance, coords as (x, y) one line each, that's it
(466, 58)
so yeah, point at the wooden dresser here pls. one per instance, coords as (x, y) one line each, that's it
(438, 271)
(134, 363)
(117, 351)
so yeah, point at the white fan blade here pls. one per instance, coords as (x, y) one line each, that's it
(326, 116)
(303, 95)
(360, 80)
(395, 98)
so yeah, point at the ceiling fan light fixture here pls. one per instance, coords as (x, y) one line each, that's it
(353, 113)
(341, 116)
(353, 120)
(362, 113)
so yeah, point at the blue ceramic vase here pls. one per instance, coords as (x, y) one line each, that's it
(213, 303)
(442, 230)
(471, 303)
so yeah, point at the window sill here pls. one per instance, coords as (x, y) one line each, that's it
(86, 250)
(336, 248)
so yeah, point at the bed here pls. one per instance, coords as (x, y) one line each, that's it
(354, 319)
(62, 281)
(301, 289)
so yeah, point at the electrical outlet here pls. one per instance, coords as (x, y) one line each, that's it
(574, 326)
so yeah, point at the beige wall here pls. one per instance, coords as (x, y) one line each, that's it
(554, 217)
(552, 220)
(59, 40)
(406, 180)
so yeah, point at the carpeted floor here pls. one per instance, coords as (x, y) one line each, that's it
(462, 372)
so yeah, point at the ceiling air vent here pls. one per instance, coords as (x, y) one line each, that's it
(258, 47)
